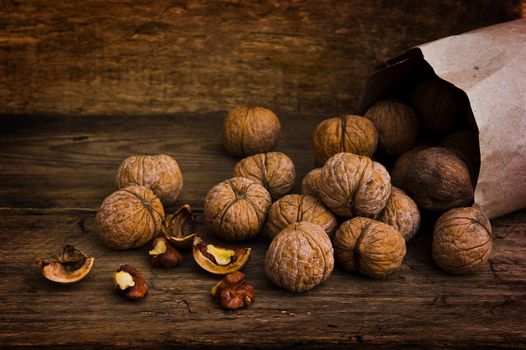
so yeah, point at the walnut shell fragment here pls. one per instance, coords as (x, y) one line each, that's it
(219, 260)
(273, 170)
(70, 266)
(352, 185)
(300, 257)
(370, 247)
(297, 207)
(402, 213)
(462, 240)
(236, 209)
(350, 133)
(160, 173)
(179, 228)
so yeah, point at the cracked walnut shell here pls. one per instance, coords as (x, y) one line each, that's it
(236, 209)
(368, 246)
(352, 185)
(300, 257)
(351, 133)
(462, 240)
(129, 218)
(160, 173)
(274, 170)
(402, 213)
(298, 207)
(250, 130)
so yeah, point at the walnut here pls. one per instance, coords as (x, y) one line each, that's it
(233, 292)
(351, 133)
(465, 143)
(311, 182)
(236, 209)
(274, 170)
(402, 213)
(129, 218)
(397, 126)
(300, 257)
(298, 207)
(402, 165)
(441, 104)
(369, 247)
(438, 180)
(462, 240)
(250, 130)
(352, 185)
(160, 173)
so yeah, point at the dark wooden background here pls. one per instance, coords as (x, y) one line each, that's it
(85, 84)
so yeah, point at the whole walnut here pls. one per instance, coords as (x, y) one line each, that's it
(440, 104)
(397, 126)
(297, 207)
(402, 213)
(160, 173)
(462, 240)
(250, 130)
(236, 209)
(438, 180)
(311, 183)
(466, 144)
(403, 164)
(370, 247)
(273, 170)
(300, 257)
(351, 133)
(129, 218)
(353, 185)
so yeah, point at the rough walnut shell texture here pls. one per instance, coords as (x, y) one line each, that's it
(352, 185)
(402, 213)
(402, 165)
(129, 218)
(160, 173)
(440, 104)
(368, 246)
(397, 126)
(250, 130)
(236, 209)
(297, 207)
(438, 180)
(300, 257)
(311, 183)
(274, 170)
(351, 133)
(462, 240)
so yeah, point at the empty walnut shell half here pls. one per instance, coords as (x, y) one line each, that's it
(402, 213)
(219, 260)
(351, 133)
(311, 183)
(370, 247)
(462, 240)
(179, 228)
(299, 207)
(273, 170)
(353, 185)
(70, 266)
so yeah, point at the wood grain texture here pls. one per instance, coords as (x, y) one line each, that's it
(306, 58)
(55, 171)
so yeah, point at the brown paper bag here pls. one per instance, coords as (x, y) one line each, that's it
(489, 65)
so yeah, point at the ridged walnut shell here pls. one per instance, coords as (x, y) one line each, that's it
(160, 173)
(402, 165)
(300, 257)
(311, 183)
(352, 185)
(297, 207)
(129, 218)
(462, 240)
(397, 126)
(274, 170)
(440, 104)
(351, 133)
(250, 130)
(370, 247)
(438, 180)
(402, 213)
(236, 209)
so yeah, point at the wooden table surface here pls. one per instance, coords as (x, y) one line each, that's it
(54, 173)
